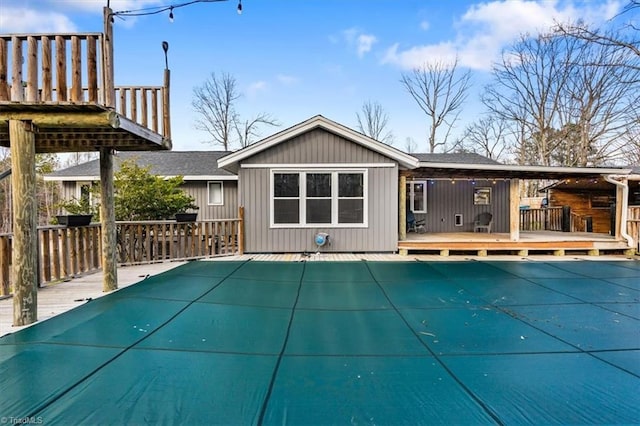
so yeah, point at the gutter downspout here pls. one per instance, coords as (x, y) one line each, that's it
(625, 205)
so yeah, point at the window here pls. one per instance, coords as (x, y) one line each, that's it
(318, 197)
(481, 196)
(215, 194)
(87, 193)
(417, 196)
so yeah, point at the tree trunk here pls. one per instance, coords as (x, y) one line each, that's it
(25, 229)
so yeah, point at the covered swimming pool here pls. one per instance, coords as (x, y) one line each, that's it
(306, 343)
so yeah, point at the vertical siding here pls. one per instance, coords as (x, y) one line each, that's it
(198, 190)
(445, 200)
(319, 146)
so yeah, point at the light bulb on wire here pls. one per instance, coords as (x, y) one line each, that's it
(170, 14)
(239, 7)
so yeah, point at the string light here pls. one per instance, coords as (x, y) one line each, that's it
(239, 7)
(159, 9)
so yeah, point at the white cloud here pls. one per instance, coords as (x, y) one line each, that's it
(23, 20)
(287, 80)
(486, 28)
(256, 87)
(358, 40)
(365, 42)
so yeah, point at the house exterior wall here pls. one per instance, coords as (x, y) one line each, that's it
(198, 190)
(580, 203)
(446, 199)
(319, 147)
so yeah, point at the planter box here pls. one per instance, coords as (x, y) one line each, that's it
(186, 217)
(74, 219)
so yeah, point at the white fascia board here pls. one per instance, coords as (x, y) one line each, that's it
(404, 159)
(70, 178)
(204, 177)
(516, 168)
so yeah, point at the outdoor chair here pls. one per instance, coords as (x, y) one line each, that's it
(483, 221)
(414, 225)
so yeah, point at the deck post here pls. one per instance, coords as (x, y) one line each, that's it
(241, 230)
(25, 221)
(108, 220)
(402, 209)
(514, 209)
(107, 60)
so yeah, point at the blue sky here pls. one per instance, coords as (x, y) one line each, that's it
(295, 59)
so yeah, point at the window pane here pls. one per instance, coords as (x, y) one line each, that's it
(215, 193)
(418, 197)
(350, 185)
(318, 185)
(318, 211)
(286, 211)
(350, 211)
(286, 184)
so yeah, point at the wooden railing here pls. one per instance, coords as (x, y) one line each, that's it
(633, 225)
(547, 219)
(72, 69)
(66, 252)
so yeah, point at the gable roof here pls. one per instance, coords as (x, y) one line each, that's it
(193, 165)
(458, 158)
(231, 161)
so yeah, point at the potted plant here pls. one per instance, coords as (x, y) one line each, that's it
(186, 217)
(80, 213)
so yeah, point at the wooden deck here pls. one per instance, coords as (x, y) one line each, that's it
(542, 242)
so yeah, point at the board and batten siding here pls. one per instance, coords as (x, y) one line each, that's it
(197, 189)
(320, 147)
(446, 199)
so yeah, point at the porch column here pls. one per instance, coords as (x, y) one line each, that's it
(25, 222)
(514, 209)
(620, 204)
(108, 221)
(402, 209)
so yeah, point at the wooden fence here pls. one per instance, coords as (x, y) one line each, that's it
(633, 225)
(547, 219)
(66, 252)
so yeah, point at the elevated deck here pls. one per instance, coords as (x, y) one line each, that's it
(71, 100)
(558, 243)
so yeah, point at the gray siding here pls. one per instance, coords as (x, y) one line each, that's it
(198, 190)
(319, 146)
(445, 200)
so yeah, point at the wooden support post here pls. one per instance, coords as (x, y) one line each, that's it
(76, 70)
(444, 252)
(403, 252)
(514, 209)
(61, 69)
(594, 252)
(92, 70)
(166, 105)
(107, 60)
(559, 252)
(25, 231)
(523, 253)
(619, 205)
(483, 253)
(108, 220)
(47, 86)
(402, 209)
(241, 230)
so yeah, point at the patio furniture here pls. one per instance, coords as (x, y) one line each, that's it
(483, 221)
(414, 225)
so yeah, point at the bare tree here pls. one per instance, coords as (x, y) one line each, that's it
(630, 41)
(410, 145)
(526, 90)
(487, 136)
(247, 130)
(214, 101)
(373, 121)
(440, 91)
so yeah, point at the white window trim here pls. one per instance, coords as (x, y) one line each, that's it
(93, 200)
(490, 196)
(302, 196)
(412, 193)
(209, 203)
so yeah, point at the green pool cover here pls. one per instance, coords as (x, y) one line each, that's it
(311, 343)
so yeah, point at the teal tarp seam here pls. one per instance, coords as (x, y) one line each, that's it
(128, 348)
(466, 389)
(267, 397)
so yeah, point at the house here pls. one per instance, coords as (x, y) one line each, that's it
(214, 189)
(319, 177)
